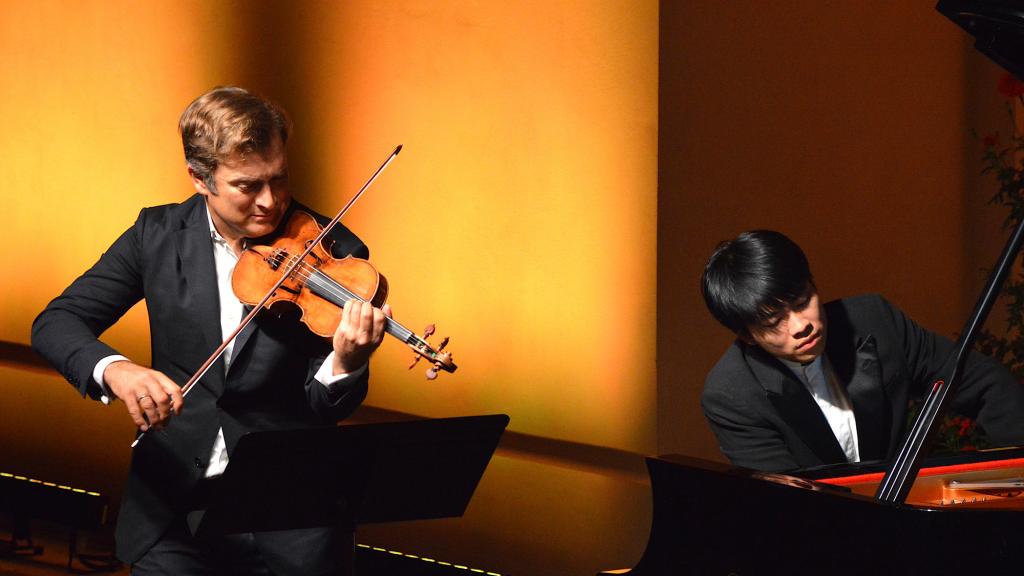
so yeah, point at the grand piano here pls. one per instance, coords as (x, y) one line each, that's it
(961, 514)
(712, 519)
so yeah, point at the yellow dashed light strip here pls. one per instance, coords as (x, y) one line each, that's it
(442, 563)
(50, 484)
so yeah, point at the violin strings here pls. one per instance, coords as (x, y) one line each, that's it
(334, 288)
(310, 276)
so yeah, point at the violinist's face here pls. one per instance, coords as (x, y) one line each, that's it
(250, 193)
(796, 332)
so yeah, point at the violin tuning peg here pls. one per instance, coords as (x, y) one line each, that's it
(443, 344)
(428, 331)
(415, 360)
(431, 374)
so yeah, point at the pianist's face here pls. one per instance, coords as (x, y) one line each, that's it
(796, 332)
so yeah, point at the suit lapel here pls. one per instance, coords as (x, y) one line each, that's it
(854, 357)
(195, 254)
(863, 380)
(795, 405)
(243, 337)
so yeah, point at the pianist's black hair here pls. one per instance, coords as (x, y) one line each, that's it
(749, 279)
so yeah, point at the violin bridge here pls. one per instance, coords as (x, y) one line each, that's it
(275, 258)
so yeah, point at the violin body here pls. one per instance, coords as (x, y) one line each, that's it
(260, 267)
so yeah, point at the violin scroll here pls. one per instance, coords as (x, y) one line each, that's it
(441, 360)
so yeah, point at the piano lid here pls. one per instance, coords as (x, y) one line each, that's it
(997, 26)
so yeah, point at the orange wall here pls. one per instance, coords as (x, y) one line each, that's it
(88, 105)
(515, 217)
(519, 217)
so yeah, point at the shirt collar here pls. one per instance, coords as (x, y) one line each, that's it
(216, 237)
(800, 369)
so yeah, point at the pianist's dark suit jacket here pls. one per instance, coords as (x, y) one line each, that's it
(766, 419)
(166, 258)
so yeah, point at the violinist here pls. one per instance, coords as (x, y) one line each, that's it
(808, 383)
(275, 375)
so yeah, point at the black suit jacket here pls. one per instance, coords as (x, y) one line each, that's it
(166, 258)
(765, 419)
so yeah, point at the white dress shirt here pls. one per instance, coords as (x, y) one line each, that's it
(819, 379)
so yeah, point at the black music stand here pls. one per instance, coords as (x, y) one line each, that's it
(348, 475)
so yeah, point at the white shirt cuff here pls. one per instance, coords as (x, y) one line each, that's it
(326, 376)
(97, 375)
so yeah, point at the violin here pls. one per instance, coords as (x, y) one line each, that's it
(320, 285)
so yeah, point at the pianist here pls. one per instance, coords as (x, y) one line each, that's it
(807, 383)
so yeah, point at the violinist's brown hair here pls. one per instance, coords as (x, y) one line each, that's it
(226, 120)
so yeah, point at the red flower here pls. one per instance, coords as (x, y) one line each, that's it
(965, 427)
(991, 141)
(1010, 87)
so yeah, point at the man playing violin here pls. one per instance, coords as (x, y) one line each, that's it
(275, 375)
(807, 383)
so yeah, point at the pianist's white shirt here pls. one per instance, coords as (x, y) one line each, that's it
(819, 379)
